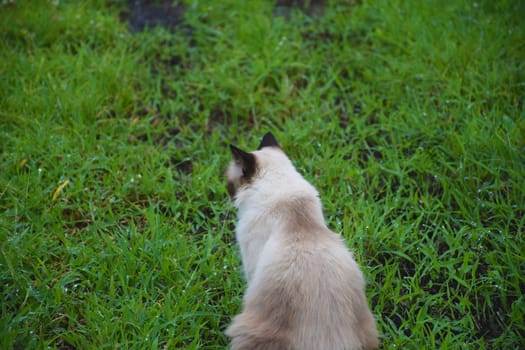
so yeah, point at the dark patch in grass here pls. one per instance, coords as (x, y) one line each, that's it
(143, 14)
(185, 166)
(371, 149)
(229, 238)
(163, 209)
(161, 131)
(62, 322)
(311, 8)
(345, 111)
(221, 116)
(355, 39)
(74, 219)
(205, 211)
(165, 136)
(167, 62)
(435, 187)
(217, 119)
(489, 326)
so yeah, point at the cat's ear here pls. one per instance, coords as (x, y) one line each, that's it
(268, 140)
(245, 159)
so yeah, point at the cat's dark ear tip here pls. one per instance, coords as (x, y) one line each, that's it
(268, 140)
(239, 155)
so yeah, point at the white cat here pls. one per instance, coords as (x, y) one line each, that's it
(305, 290)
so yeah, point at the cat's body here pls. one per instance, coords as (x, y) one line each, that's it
(305, 290)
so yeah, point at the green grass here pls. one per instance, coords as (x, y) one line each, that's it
(115, 227)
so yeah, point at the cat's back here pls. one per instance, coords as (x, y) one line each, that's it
(319, 264)
(310, 289)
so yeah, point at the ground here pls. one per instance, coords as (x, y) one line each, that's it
(116, 230)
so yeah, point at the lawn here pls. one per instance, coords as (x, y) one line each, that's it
(115, 226)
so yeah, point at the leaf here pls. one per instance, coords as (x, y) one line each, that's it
(59, 189)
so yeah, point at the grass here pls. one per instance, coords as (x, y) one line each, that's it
(115, 228)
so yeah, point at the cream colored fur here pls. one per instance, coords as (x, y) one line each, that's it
(305, 290)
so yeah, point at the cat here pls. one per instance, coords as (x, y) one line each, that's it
(305, 290)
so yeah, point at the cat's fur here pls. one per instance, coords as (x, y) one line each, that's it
(305, 290)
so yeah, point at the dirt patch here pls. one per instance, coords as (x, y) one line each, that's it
(311, 8)
(142, 14)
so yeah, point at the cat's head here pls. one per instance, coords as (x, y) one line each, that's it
(247, 167)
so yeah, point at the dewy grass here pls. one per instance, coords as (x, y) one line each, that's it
(115, 227)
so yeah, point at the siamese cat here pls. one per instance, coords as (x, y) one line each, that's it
(305, 290)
